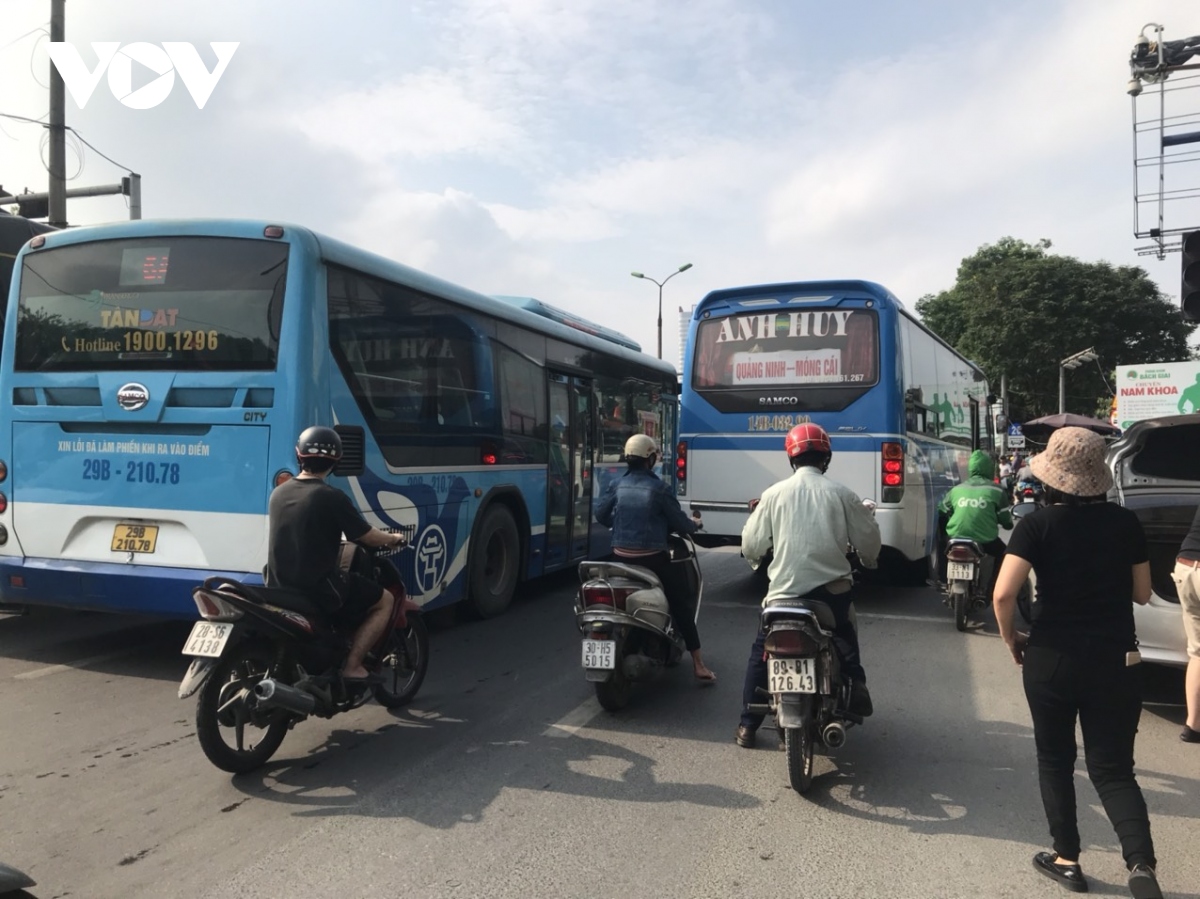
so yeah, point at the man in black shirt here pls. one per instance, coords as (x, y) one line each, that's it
(307, 521)
(1187, 581)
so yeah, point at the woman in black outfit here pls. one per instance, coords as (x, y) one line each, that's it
(1080, 656)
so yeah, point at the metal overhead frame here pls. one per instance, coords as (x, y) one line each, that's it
(1166, 146)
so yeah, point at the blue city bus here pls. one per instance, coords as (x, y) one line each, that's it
(903, 409)
(156, 374)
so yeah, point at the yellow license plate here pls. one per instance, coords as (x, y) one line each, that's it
(134, 538)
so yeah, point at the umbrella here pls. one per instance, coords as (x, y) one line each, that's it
(1041, 428)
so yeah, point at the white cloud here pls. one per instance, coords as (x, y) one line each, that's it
(422, 115)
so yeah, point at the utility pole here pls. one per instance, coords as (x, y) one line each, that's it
(1004, 414)
(58, 127)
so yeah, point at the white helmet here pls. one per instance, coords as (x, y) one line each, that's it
(641, 446)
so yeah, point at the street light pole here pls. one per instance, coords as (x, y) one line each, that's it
(1088, 355)
(682, 268)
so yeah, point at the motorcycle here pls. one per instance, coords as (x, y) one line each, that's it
(13, 883)
(622, 613)
(968, 574)
(1029, 492)
(265, 658)
(806, 692)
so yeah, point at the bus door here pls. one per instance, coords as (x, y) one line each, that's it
(581, 433)
(569, 474)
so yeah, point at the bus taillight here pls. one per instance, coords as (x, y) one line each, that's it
(892, 473)
(681, 468)
(3, 471)
(282, 476)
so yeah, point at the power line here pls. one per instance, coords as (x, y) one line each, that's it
(40, 28)
(82, 139)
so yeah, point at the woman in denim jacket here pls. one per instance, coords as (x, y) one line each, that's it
(642, 512)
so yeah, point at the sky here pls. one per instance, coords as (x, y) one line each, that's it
(548, 148)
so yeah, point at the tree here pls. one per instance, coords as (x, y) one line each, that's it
(1018, 310)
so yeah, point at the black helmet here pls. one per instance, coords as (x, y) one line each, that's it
(318, 442)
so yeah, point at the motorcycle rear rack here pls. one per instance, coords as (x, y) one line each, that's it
(618, 617)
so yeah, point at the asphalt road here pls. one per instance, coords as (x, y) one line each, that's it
(505, 778)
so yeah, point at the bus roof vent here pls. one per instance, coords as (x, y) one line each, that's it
(354, 451)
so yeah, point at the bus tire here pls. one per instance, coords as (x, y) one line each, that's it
(495, 562)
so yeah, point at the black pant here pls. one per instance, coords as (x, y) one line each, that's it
(679, 594)
(1105, 694)
(845, 641)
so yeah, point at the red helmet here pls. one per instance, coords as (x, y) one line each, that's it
(807, 438)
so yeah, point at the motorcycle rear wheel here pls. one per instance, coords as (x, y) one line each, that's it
(798, 744)
(405, 661)
(613, 694)
(960, 609)
(232, 680)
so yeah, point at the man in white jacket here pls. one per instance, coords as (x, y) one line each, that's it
(807, 522)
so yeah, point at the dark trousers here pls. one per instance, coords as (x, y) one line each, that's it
(1097, 687)
(845, 641)
(679, 594)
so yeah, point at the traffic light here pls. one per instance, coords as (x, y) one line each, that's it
(26, 208)
(1189, 298)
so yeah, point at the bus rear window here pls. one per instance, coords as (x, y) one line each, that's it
(787, 349)
(179, 303)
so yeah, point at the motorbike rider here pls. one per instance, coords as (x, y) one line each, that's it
(642, 511)
(807, 521)
(307, 519)
(975, 510)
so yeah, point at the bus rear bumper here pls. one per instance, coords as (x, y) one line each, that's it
(107, 587)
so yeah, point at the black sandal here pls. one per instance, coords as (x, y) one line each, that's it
(1070, 876)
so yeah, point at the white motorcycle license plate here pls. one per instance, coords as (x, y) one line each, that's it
(207, 638)
(960, 571)
(599, 654)
(791, 676)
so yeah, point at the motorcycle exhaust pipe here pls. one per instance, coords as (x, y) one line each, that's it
(272, 694)
(834, 735)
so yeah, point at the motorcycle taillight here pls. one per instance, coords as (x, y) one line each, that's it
(790, 643)
(213, 608)
(601, 593)
(960, 554)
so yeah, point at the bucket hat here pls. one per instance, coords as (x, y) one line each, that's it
(1073, 462)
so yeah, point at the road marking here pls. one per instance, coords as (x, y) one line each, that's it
(69, 666)
(890, 617)
(576, 719)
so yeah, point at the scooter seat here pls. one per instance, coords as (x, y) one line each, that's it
(778, 607)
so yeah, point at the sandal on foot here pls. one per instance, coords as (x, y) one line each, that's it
(1070, 876)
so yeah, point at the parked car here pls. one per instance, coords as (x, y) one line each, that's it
(1156, 473)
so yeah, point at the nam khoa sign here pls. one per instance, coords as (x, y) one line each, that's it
(1152, 391)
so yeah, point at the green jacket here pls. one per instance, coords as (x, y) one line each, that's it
(977, 508)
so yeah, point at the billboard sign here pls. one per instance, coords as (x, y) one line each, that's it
(1156, 390)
